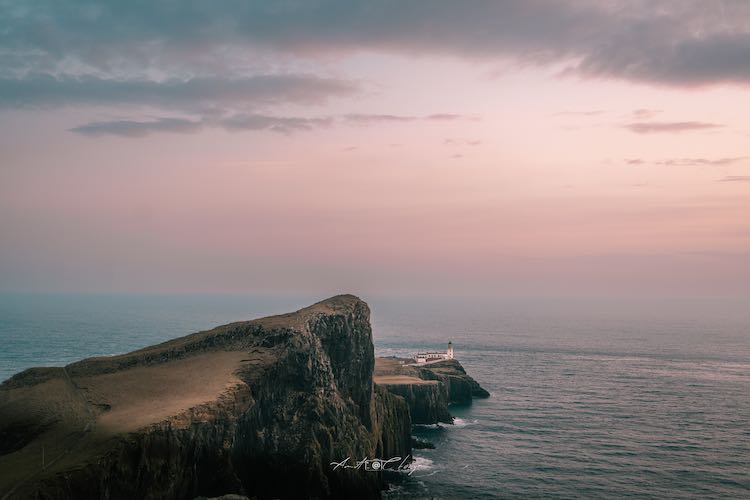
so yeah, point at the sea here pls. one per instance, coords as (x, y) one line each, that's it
(590, 397)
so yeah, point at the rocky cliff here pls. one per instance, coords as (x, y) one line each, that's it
(460, 386)
(427, 400)
(258, 408)
(428, 389)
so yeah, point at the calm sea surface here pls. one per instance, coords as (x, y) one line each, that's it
(590, 398)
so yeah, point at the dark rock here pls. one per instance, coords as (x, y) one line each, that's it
(258, 408)
(427, 400)
(421, 444)
(392, 427)
(461, 387)
(428, 388)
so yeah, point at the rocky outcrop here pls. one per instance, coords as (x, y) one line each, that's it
(461, 387)
(392, 426)
(258, 408)
(421, 444)
(427, 400)
(428, 389)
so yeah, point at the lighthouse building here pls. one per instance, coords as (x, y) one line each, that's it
(429, 356)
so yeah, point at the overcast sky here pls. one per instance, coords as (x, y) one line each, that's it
(376, 147)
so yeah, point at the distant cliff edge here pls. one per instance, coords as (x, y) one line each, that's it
(428, 388)
(258, 408)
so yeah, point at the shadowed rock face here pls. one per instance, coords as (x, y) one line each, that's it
(461, 387)
(428, 389)
(257, 408)
(428, 402)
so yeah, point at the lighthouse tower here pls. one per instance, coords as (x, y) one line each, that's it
(449, 352)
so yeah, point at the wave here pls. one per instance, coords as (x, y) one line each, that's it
(421, 464)
(430, 426)
(460, 422)
(421, 467)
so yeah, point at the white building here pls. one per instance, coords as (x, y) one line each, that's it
(426, 357)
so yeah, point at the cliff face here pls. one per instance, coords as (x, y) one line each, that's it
(427, 401)
(258, 408)
(461, 387)
(392, 425)
(429, 388)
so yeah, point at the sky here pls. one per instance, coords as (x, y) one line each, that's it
(395, 147)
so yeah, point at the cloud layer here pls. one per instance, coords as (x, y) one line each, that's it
(671, 42)
(689, 162)
(132, 128)
(243, 122)
(210, 60)
(40, 90)
(669, 127)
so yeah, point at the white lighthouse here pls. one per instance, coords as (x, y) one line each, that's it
(429, 356)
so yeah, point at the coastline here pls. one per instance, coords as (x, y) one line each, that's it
(236, 409)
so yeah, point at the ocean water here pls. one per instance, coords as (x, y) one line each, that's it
(590, 398)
